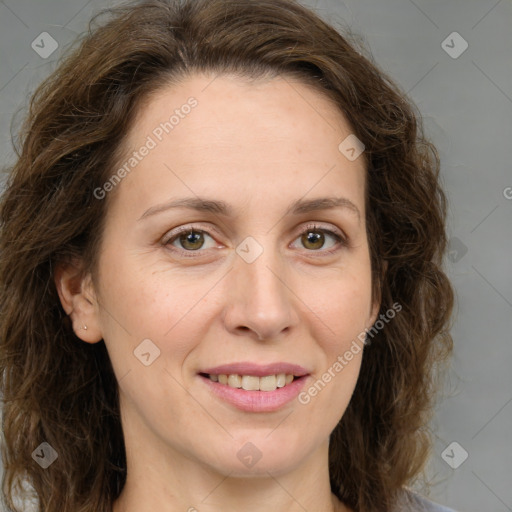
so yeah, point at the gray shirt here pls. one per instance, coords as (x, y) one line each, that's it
(414, 502)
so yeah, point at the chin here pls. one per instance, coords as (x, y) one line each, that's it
(258, 457)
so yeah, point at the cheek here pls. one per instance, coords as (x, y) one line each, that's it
(344, 306)
(141, 300)
(348, 315)
(149, 303)
(340, 332)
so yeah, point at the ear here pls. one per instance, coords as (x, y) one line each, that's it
(377, 300)
(78, 299)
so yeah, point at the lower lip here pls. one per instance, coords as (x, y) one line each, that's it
(256, 401)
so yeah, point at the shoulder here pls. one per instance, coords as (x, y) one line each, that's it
(414, 502)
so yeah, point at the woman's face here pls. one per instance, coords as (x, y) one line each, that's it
(248, 292)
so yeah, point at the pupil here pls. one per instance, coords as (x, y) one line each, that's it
(190, 239)
(313, 238)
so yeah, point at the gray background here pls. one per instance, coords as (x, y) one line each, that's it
(467, 107)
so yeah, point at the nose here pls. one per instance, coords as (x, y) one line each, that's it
(260, 299)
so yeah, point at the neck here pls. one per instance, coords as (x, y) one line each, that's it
(169, 481)
(229, 495)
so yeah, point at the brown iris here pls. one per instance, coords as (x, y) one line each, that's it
(314, 237)
(190, 238)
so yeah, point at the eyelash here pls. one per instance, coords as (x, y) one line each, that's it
(341, 240)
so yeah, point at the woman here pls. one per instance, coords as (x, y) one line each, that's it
(221, 271)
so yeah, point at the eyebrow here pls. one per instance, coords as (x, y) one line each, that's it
(298, 207)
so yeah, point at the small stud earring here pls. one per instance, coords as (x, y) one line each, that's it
(85, 327)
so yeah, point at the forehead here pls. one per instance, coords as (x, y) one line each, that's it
(210, 133)
(223, 101)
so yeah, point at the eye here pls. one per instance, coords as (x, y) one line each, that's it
(313, 238)
(189, 238)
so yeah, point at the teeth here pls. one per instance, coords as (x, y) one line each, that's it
(235, 381)
(268, 383)
(250, 383)
(253, 383)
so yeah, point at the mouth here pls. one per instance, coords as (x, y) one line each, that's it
(255, 388)
(265, 383)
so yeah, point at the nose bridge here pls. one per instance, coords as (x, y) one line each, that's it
(265, 281)
(261, 298)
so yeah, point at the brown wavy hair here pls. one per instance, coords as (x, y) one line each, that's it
(61, 390)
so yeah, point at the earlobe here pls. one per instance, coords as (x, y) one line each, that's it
(78, 299)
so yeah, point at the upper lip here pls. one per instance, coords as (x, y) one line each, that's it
(257, 370)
